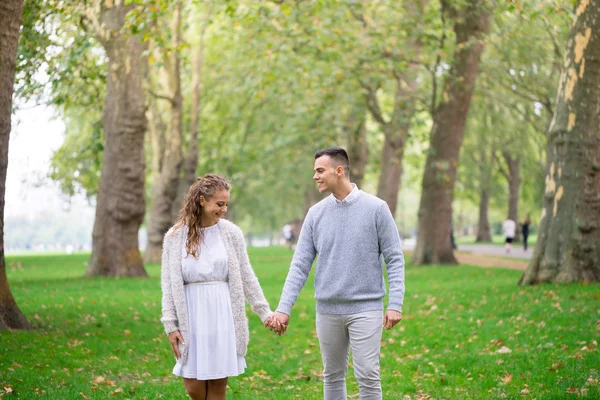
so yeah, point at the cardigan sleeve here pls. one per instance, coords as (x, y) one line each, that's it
(252, 290)
(169, 316)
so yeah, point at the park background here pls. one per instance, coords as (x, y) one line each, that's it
(458, 113)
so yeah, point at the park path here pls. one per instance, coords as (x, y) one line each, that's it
(486, 256)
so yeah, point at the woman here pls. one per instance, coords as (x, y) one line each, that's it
(205, 277)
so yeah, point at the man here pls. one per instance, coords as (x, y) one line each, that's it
(350, 230)
(509, 226)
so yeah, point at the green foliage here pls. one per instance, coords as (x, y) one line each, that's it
(467, 332)
(280, 79)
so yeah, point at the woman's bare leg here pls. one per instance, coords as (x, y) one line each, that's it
(197, 390)
(216, 389)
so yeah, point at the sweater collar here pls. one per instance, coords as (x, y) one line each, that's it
(351, 198)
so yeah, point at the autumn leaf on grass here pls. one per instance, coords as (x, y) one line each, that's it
(525, 391)
(573, 390)
(555, 367)
(503, 350)
(507, 378)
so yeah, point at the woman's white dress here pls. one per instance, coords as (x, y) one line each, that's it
(212, 347)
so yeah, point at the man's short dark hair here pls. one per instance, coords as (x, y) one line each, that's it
(338, 157)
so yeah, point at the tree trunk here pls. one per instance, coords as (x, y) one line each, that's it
(483, 227)
(390, 176)
(514, 188)
(435, 209)
(358, 149)
(165, 190)
(156, 131)
(190, 161)
(11, 12)
(396, 135)
(121, 204)
(567, 247)
(405, 98)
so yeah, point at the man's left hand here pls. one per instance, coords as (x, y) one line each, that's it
(391, 318)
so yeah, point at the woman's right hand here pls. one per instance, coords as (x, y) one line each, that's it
(175, 338)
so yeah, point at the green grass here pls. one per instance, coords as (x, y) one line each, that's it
(456, 321)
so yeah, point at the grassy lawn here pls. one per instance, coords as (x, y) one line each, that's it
(468, 332)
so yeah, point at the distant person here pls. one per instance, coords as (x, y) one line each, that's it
(525, 231)
(205, 278)
(509, 228)
(351, 232)
(288, 235)
(452, 240)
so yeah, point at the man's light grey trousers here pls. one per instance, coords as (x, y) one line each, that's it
(337, 334)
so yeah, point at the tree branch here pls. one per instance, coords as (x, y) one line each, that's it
(373, 103)
(162, 97)
(501, 168)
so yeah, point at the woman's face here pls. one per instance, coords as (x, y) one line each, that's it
(214, 208)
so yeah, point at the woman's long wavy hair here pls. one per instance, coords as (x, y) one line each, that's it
(190, 214)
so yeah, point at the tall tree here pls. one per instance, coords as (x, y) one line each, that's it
(190, 159)
(483, 224)
(512, 173)
(471, 24)
(406, 64)
(11, 12)
(120, 204)
(358, 148)
(567, 247)
(166, 183)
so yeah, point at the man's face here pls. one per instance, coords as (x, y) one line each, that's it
(325, 174)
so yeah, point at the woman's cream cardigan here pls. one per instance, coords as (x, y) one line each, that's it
(243, 284)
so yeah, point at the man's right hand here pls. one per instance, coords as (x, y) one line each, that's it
(278, 318)
(175, 338)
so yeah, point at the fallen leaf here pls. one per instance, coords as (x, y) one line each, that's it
(503, 350)
(507, 378)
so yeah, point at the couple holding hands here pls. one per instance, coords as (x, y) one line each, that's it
(206, 277)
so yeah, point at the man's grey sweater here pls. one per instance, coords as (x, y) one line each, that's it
(350, 236)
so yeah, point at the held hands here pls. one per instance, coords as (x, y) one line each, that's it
(277, 322)
(391, 318)
(175, 338)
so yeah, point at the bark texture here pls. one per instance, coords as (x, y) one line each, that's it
(166, 183)
(11, 13)
(121, 204)
(483, 226)
(485, 161)
(568, 244)
(396, 134)
(190, 160)
(358, 149)
(514, 189)
(435, 209)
